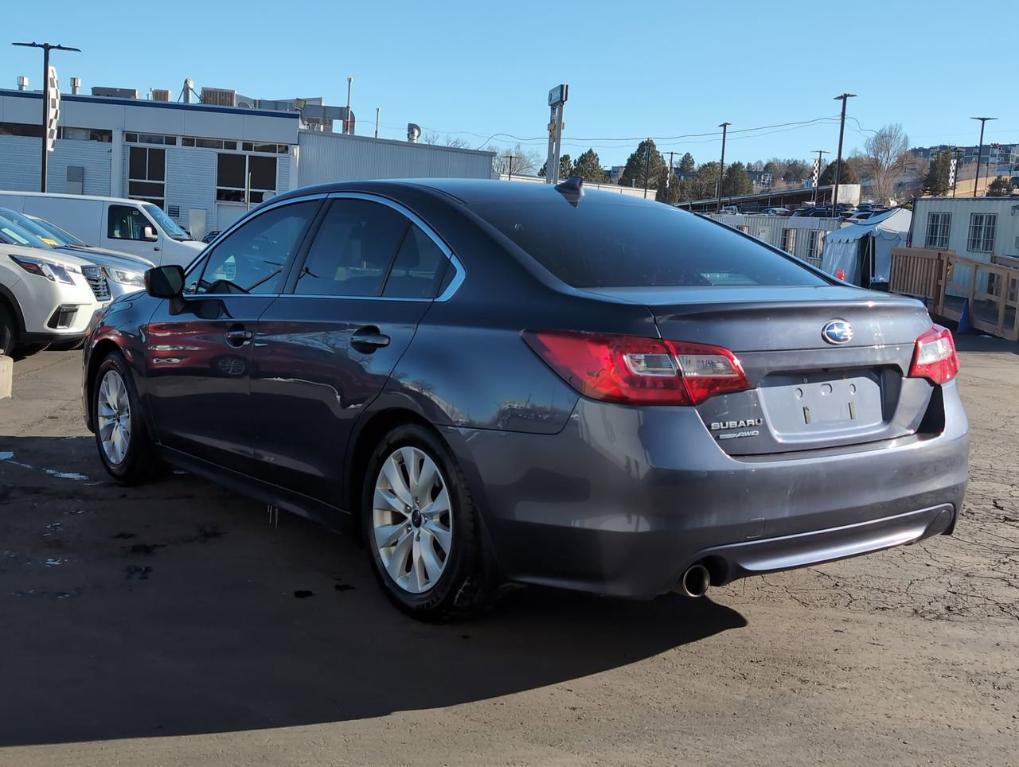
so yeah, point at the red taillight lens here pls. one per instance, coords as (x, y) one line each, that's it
(637, 370)
(934, 357)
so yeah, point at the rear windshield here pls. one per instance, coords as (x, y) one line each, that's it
(618, 244)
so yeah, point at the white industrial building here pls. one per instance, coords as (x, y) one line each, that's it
(800, 236)
(204, 164)
(974, 227)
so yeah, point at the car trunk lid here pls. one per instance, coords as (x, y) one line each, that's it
(806, 392)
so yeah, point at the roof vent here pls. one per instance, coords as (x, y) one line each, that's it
(22, 83)
(413, 132)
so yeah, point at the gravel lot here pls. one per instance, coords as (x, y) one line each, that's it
(171, 624)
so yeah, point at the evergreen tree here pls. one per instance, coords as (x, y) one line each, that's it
(936, 181)
(704, 184)
(565, 167)
(736, 181)
(686, 164)
(643, 167)
(846, 174)
(1000, 187)
(588, 167)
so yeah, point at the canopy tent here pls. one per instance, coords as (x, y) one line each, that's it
(864, 250)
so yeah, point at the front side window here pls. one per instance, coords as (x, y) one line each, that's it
(938, 226)
(981, 232)
(353, 250)
(126, 222)
(251, 259)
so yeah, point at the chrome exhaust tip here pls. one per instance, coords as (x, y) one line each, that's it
(695, 581)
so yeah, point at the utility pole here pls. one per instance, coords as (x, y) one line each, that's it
(817, 179)
(377, 110)
(980, 151)
(509, 173)
(838, 160)
(346, 121)
(668, 178)
(46, 48)
(721, 167)
(647, 165)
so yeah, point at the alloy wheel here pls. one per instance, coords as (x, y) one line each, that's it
(113, 417)
(412, 519)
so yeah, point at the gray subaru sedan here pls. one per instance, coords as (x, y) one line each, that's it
(500, 382)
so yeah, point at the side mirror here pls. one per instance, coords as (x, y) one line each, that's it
(165, 281)
(150, 234)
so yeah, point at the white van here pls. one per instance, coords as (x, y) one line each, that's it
(130, 226)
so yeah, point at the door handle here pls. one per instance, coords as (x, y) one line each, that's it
(368, 339)
(238, 336)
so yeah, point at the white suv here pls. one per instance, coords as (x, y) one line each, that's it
(45, 297)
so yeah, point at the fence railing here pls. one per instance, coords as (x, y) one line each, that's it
(953, 286)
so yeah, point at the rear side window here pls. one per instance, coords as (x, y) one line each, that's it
(251, 259)
(418, 267)
(353, 250)
(614, 243)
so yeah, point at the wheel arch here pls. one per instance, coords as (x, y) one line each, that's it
(97, 354)
(363, 442)
(8, 299)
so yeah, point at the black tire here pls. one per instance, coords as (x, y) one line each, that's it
(139, 462)
(464, 584)
(8, 330)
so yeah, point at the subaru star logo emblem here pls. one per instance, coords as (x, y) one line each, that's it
(837, 332)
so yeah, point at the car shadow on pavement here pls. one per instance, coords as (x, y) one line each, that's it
(176, 608)
(981, 342)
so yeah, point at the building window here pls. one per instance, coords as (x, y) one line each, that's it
(73, 134)
(815, 246)
(146, 175)
(149, 138)
(938, 226)
(245, 178)
(789, 240)
(981, 232)
(266, 148)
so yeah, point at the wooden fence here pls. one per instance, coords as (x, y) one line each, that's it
(950, 284)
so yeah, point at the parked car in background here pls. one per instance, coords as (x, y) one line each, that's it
(124, 273)
(46, 296)
(130, 226)
(730, 209)
(776, 212)
(526, 382)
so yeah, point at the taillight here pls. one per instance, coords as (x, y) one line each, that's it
(636, 370)
(934, 356)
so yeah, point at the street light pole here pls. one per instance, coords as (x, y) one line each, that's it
(721, 167)
(980, 150)
(838, 160)
(46, 48)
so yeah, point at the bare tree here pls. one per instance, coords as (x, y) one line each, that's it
(458, 143)
(885, 160)
(430, 137)
(522, 162)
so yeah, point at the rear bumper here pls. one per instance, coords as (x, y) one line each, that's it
(624, 500)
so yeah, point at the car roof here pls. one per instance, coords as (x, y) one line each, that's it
(469, 191)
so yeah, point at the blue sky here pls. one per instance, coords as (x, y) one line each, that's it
(472, 69)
